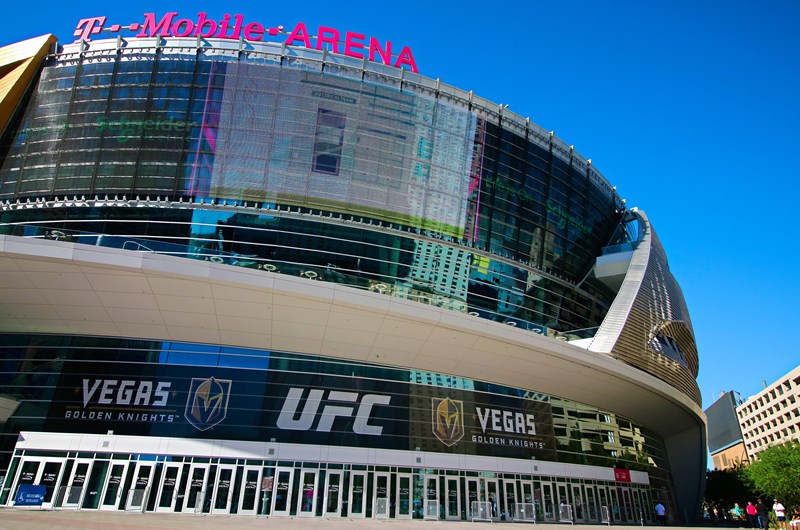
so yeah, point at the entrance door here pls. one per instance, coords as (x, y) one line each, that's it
(548, 502)
(41, 472)
(307, 500)
(168, 489)
(577, 503)
(73, 492)
(565, 512)
(403, 500)
(332, 503)
(223, 489)
(112, 490)
(140, 490)
(482, 495)
(248, 498)
(51, 471)
(592, 512)
(380, 496)
(430, 487)
(355, 501)
(281, 504)
(526, 510)
(452, 495)
(509, 500)
(627, 506)
(195, 493)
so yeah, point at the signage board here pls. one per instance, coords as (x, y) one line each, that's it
(30, 495)
(293, 406)
(234, 27)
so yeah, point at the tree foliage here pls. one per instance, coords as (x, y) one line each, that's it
(724, 487)
(776, 474)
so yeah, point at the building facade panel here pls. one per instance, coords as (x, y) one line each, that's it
(772, 416)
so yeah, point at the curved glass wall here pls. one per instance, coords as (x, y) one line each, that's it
(462, 205)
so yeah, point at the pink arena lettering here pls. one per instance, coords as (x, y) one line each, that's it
(234, 27)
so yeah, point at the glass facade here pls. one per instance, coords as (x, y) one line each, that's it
(471, 215)
(341, 172)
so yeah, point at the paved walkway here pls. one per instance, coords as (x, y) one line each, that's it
(11, 519)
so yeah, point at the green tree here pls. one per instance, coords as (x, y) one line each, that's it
(724, 487)
(776, 474)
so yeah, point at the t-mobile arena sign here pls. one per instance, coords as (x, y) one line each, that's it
(234, 27)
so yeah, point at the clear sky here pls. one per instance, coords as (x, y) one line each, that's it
(689, 108)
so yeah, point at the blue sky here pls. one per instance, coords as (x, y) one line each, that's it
(689, 108)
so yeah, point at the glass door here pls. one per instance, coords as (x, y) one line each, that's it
(112, 490)
(168, 489)
(40, 472)
(452, 494)
(616, 511)
(548, 502)
(403, 499)
(51, 472)
(195, 493)
(139, 492)
(332, 504)
(223, 488)
(602, 497)
(564, 508)
(73, 492)
(577, 504)
(355, 501)
(592, 511)
(526, 508)
(248, 498)
(281, 504)
(482, 498)
(431, 489)
(307, 501)
(28, 475)
(627, 506)
(509, 500)
(380, 496)
(493, 496)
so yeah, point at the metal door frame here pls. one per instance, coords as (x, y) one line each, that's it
(199, 500)
(288, 510)
(256, 499)
(157, 508)
(447, 481)
(338, 512)
(217, 477)
(89, 462)
(140, 464)
(315, 494)
(388, 477)
(37, 477)
(363, 513)
(121, 486)
(398, 496)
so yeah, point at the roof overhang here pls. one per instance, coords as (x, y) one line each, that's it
(57, 287)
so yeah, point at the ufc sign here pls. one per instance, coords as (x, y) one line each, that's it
(338, 404)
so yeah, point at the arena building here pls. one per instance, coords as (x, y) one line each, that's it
(257, 271)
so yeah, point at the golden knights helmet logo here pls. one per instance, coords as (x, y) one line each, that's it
(448, 420)
(207, 404)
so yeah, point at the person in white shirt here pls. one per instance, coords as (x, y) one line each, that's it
(780, 513)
